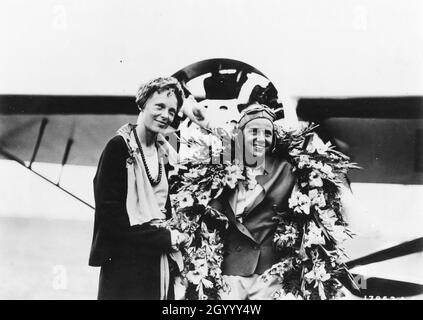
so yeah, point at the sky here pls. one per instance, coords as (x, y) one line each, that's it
(307, 48)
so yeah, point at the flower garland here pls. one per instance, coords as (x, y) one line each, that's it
(193, 184)
(308, 236)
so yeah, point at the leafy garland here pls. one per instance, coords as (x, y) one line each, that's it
(311, 233)
(308, 236)
(193, 184)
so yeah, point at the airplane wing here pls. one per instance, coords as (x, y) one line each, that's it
(60, 129)
(384, 135)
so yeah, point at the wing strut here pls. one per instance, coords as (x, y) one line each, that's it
(39, 138)
(65, 158)
(69, 143)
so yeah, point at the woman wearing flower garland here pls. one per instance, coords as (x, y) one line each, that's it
(131, 196)
(251, 207)
(285, 231)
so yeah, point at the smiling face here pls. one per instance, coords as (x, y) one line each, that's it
(159, 111)
(258, 138)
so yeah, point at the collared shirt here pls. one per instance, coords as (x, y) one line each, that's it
(248, 194)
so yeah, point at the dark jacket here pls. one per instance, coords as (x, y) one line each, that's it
(249, 245)
(129, 256)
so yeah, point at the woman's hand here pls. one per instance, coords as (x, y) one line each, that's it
(193, 110)
(197, 110)
(185, 240)
(179, 239)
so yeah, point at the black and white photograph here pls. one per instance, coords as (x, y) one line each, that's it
(211, 150)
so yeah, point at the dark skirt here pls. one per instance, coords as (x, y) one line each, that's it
(131, 279)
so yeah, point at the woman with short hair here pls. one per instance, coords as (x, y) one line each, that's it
(135, 253)
(252, 206)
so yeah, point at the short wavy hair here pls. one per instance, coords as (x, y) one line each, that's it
(159, 85)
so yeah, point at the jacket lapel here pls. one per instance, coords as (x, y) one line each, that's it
(231, 213)
(263, 181)
(232, 200)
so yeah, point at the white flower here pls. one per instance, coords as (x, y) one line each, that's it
(287, 238)
(318, 275)
(204, 198)
(306, 294)
(280, 294)
(299, 202)
(328, 218)
(194, 277)
(192, 173)
(317, 165)
(215, 184)
(315, 179)
(314, 236)
(207, 283)
(230, 181)
(293, 200)
(215, 272)
(233, 174)
(327, 169)
(203, 270)
(235, 170)
(185, 199)
(317, 198)
(304, 161)
(195, 173)
(339, 234)
(316, 145)
(200, 269)
(295, 152)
